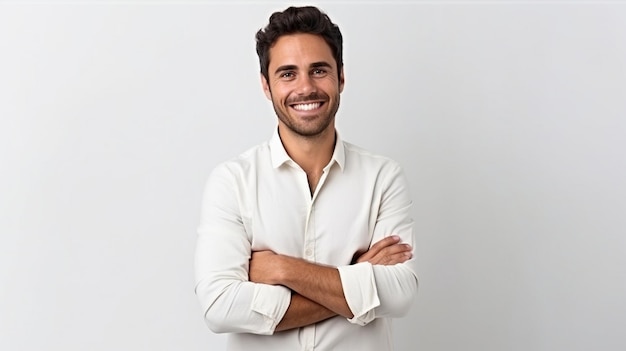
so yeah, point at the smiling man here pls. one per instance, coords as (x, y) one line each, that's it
(306, 241)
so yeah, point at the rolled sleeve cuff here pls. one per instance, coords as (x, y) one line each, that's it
(359, 288)
(271, 301)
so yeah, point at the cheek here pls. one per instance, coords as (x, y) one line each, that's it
(280, 95)
(332, 86)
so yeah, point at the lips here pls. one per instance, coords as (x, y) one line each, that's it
(307, 106)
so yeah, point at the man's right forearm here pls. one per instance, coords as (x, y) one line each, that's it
(303, 312)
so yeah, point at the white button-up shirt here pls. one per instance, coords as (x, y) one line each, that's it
(261, 201)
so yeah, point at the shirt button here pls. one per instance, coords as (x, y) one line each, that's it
(308, 252)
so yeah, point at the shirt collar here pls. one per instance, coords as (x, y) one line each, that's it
(279, 154)
(339, 155)
(277, 150)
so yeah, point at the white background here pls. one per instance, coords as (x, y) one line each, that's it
(509, 118)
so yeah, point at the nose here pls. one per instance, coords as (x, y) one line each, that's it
(306, 85)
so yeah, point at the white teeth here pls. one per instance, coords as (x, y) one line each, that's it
(307, 107)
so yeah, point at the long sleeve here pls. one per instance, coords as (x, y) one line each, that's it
(230, 302)
(374, 291)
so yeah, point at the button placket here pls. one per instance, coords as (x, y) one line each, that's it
(309, 243)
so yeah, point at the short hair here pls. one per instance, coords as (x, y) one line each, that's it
(306, 19)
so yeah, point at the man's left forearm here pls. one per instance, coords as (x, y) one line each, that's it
(303, 312)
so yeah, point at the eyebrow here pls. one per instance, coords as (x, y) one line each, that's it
(295, 68)
(285, 68)
(320, 64)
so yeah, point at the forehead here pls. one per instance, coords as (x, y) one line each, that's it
(300, 50)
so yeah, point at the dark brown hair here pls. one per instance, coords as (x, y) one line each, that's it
(307, 19)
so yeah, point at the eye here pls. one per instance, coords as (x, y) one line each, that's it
(319, 72)
(287, 75)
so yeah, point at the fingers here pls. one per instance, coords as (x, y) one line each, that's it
(378, 246)
(402, 254)
(262, 267)
(385, 242)
(397, 253)
(388, 251)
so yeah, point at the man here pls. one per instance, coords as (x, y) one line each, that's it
(305, 241)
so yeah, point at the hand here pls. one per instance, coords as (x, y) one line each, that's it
(264, 267)
(387, 251)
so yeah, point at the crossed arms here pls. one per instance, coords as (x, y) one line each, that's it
(317, 292)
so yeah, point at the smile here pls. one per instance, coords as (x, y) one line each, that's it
(307, 107)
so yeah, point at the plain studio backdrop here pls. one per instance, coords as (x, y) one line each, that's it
(508, 117)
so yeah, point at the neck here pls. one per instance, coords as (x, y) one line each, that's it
(310, 153)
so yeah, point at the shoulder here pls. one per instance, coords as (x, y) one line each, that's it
(246, 162)
(381, 170)
(367, 158)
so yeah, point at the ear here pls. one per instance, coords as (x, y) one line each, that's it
(341, 81)
(266, 87)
